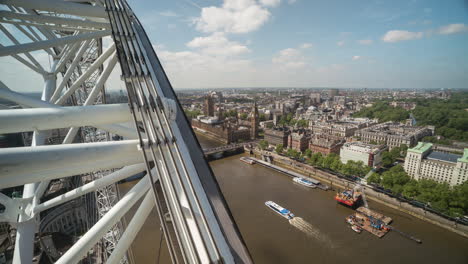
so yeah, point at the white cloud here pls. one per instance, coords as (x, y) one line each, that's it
(211, 60)
(272, 3)
(217, 44)
(240, 16)
(190, 69)
(340, 43)
(238, 4)
(290, 58)
(401, 35)
(365, 41)
(356, 58)
(291, 2)
(168, 13)
(306, 46)
(452, 29)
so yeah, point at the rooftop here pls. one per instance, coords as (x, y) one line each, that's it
(363, 146)
(421, 147)
(464, 158)
(441, 156)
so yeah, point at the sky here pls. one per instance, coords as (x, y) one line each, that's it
(299, 43)
(304, 43)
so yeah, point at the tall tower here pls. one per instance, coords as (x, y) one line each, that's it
(208, 107)
(220, 114)
(254, 119)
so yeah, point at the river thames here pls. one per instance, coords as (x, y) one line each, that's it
(318, 235)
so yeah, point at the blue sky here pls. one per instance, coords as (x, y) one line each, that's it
(295, 43)
(281, 43)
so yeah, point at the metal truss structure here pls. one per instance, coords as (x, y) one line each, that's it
(84, 40)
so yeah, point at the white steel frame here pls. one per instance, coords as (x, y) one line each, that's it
(71, 33)
(72, 42)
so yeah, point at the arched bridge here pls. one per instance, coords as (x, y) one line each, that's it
(230, 147)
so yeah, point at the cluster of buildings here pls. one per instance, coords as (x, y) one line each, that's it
(330, 127)
(214, 124)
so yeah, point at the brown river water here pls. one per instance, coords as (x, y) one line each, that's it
(318, 234)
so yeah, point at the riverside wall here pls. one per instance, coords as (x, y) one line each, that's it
(378, 197)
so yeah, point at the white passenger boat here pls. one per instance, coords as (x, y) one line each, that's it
(304, 182)
(247, 160)
(280, 210)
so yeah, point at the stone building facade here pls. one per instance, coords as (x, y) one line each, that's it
(334, 128)
(369, 154)
(298, 140)
(276, 136)
(424, 162)
(223, 132)
(394, 134)
(325, 144)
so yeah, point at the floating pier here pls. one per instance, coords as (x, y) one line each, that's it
(290, 173)
(373, 222)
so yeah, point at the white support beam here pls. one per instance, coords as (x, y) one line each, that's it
(23, 120)
(66, 57)
(30, 35)
(16, 42)
(46, 26)
(70, 69)
(93, 67)
(43, 20)
(93, 95)
(91, 186)
(27, 63)
(101, 80)
(25, 233)
(132, 229)
(45, 44)
(23, 165)
(26, 101)
(59, 7)
(95, 233)
(22, 99)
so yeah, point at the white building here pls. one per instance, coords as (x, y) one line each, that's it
(422, 162)
(370, 154)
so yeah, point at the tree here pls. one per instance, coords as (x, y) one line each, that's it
(308, 153)
(230, 113)
(316, 159)
(327, 161)
(374, 178)
(279, 148)
(192, 114)
(243, 116)
(383, 112)
(292, 153)
(261, 117)
(410, 190)
(387, 159)
(302, 123)
(263, 144)
(336, 165)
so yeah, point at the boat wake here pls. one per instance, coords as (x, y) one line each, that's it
(311, 231)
